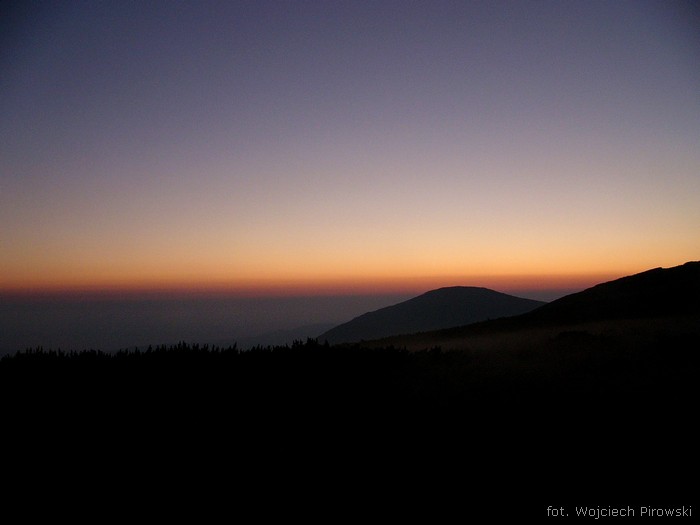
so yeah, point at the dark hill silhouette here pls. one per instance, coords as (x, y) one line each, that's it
(660, 292)
(650, 301)
(441, 308)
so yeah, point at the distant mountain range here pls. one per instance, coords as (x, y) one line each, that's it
(436, 309)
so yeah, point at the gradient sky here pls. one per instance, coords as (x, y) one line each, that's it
(346, 145)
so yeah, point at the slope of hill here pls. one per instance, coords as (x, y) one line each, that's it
(654, 293)
(441, 308)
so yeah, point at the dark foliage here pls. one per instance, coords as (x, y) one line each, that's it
(576, 375)
(516, 431)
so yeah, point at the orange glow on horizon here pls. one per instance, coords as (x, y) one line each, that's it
(308, 287)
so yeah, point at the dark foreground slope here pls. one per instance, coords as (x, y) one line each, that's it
(661, 292)
(441, 308)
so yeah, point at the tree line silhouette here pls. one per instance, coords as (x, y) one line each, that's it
(573, 369)
(574, 408)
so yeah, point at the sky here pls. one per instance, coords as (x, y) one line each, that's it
(333, 147)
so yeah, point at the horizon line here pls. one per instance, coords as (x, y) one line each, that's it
(314, 288)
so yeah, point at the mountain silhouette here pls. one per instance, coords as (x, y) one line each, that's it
(648, 302)
(441, 308)
(660, 292)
